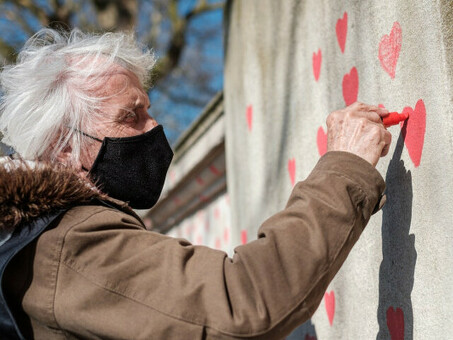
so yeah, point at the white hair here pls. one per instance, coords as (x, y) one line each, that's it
(49, 95)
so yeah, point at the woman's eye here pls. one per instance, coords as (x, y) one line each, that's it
(130, 116)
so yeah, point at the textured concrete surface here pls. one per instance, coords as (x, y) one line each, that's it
(288, 65)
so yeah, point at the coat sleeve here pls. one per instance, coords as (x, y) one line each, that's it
(117, 280)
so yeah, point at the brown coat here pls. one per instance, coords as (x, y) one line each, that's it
(98, 274)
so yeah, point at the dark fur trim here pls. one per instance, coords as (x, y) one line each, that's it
(29, 192)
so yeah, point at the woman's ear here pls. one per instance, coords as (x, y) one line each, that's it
(64, 156)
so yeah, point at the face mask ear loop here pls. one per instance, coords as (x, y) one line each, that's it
(87, 135)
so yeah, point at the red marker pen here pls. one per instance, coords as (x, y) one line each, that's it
(394, 118)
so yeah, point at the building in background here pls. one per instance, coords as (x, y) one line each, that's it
(194, 203)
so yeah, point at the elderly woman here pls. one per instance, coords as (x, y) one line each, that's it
(77, 262)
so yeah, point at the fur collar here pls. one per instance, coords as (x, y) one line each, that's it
(28, 191)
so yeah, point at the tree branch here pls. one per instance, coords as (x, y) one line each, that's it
(12, 15)
(37, 11)
(7, 51)
(178, 37)
(203, 7)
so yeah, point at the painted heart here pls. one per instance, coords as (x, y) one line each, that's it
(329, 301)
(243, 236)
(395, 323)
(389, 49)
(172, 176)
(214, 170)
(317, 59)
(350, 86)
(413, 130)
(249, 115)
(342, 30)
(226, 235)
(292, 170)
(321, 140)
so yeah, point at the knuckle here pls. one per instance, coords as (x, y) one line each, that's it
(376, 129)
(363, 121)
(332, 118)
(359, 105)
(349, 115)
(388, 136)
(371, 131)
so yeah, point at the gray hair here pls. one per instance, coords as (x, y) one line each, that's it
(49, 94)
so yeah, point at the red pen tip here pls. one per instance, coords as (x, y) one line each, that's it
(394, 118)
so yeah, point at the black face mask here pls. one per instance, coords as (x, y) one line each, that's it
(133, 169)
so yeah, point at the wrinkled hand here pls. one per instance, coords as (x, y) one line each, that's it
(358, 129)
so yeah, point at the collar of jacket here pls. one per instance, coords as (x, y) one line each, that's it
(30, 190)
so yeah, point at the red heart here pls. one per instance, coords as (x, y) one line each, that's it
(342, 30)
(350, 86)
(172, 176)
(321, 140)
(414, 131)
(329, 301)
(389, 49)
(249, 115)
(317, 59)
(214, 170)
(395, 323)
(243, 236)
(226, 234)
(292, 170)
(309, 337)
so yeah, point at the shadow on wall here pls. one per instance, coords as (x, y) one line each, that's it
(396, 274)
(306, 331)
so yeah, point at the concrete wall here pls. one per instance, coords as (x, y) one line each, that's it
(288, 65)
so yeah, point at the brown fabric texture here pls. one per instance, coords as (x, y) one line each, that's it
(99, 274)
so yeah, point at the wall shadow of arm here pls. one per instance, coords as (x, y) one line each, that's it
(396, 273)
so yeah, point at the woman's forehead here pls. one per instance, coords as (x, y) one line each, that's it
(117, 81)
